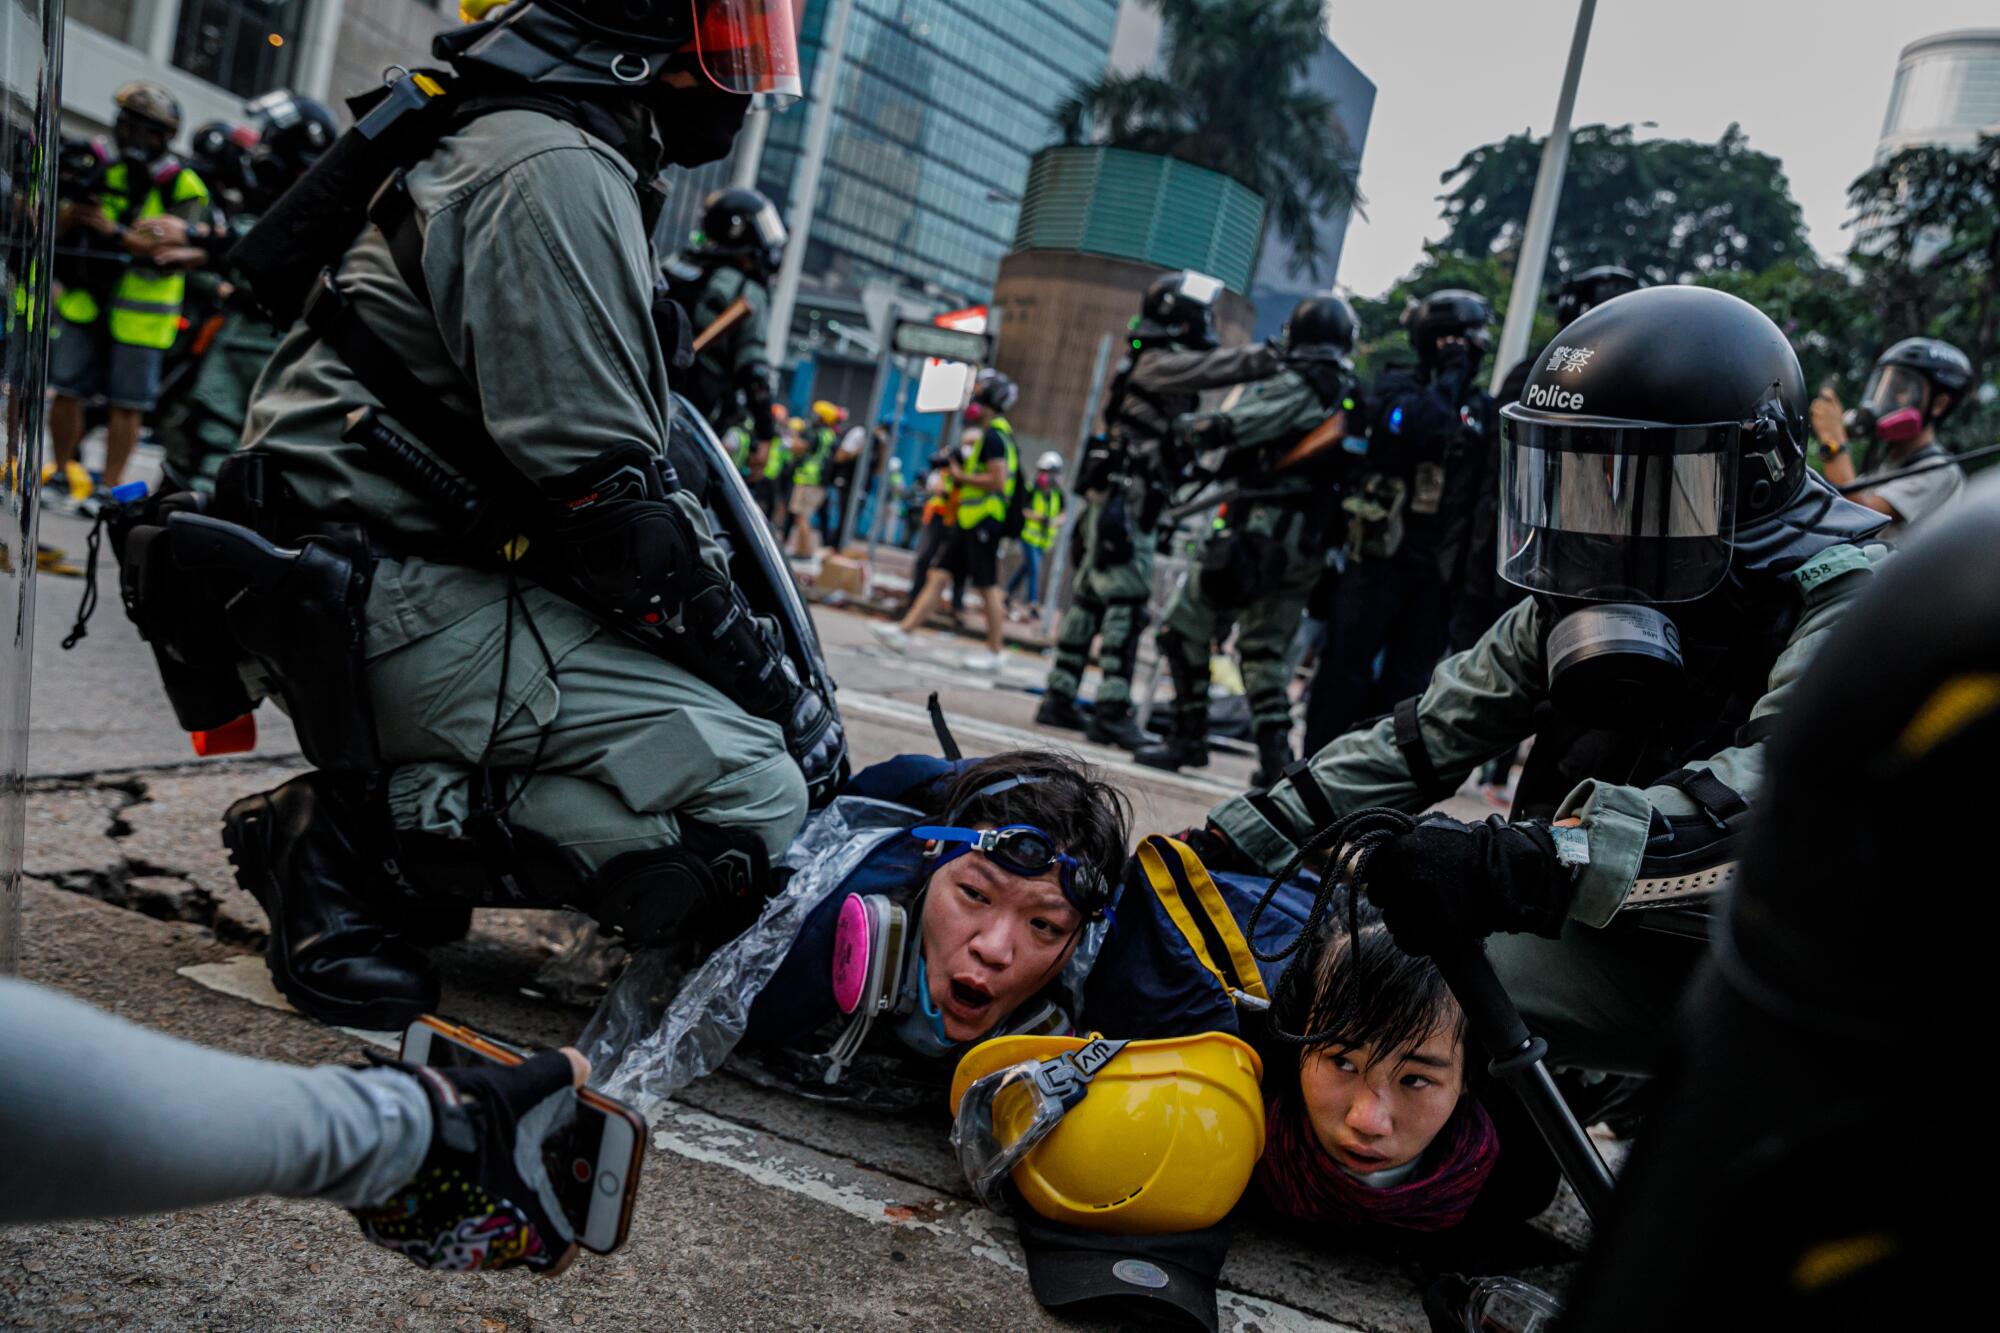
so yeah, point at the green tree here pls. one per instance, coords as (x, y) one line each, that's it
(1382, 339)
(1927, 255)
(1670, 209)
(1228, 97)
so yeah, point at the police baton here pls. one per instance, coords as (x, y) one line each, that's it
(1515, 1058)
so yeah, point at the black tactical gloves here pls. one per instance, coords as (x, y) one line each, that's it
(482, 1198)
(1444, 882)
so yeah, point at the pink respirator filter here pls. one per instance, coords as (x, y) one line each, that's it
(852, 945)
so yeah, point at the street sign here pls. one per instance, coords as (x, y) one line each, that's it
(915, 338)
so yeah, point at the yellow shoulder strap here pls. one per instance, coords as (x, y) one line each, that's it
(1175, 875)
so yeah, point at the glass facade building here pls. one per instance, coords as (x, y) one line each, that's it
(941, 103)
(1947, 91)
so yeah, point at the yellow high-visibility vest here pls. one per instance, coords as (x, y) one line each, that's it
(146, 305)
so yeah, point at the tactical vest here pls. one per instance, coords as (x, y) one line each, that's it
(145, 301)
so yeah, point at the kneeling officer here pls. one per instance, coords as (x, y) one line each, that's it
(560, 697)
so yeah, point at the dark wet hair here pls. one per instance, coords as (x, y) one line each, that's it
(1088, 817)
(1346, 992)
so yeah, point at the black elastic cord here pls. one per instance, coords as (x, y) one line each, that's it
(86, 607)
(947, 745)
(1355, 838)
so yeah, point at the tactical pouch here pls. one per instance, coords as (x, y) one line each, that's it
(1238, 566)
(183, 620)
(297, 612)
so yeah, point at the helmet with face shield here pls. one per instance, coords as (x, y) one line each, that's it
(1915, 384)
(1179, 307)
(743, 225)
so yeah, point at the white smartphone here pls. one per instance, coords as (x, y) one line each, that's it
(593, 1162)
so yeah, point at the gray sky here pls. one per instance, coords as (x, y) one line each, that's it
(1808, 80)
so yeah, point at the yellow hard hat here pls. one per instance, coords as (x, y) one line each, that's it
(1132, 1137)
(471, 11)
(826, 411)
(798, 423)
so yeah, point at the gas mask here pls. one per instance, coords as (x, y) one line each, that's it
(1611, 664)
(1894, 408)
(140, 142)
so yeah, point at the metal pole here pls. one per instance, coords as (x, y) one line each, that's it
(805, 185)
(895, 441)
(750, 150)
(1527, 293)
(1073, 493)
(851, 502)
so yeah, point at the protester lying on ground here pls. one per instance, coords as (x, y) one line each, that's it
(898, 942)
(103, 1118)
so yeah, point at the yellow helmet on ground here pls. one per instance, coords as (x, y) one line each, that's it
(1131, 1137)
(826, 411)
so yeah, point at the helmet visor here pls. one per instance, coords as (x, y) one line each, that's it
(767, 227)
(1000, 1120)
(1614, 511)
(1893, 388)
(750, 47)
(1199, 288)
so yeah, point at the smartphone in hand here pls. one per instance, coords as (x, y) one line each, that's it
(593, 1161)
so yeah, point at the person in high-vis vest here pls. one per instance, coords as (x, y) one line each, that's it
(114, 327)
(1039, 526)
(809, 481)
(983, 485)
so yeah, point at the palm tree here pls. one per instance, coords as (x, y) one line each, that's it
(1228, 96)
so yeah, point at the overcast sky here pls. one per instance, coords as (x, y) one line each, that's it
(1807, 79)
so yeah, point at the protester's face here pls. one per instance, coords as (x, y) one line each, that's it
(991, 940)
(1370, 1113)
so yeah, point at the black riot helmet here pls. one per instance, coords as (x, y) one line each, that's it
(1453, 312)
(1179, 308)
(745, 47)
(1915, 384)
(221, 154)
(292, 133)
(1592, 288)
(995, 390)
(1651, 436)
(1321, 328)
(742, 226)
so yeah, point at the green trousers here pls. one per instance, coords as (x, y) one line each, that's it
(629, 744)
(1108, 604)
(1264, 627)
(1603, 999)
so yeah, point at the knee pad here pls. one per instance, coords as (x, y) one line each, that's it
(708, 889)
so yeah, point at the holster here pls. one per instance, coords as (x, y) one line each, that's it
(209, 594)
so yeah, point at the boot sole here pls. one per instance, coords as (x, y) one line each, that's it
(249, 858)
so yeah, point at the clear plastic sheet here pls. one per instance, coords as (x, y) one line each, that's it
(583, 960)
(644, 1056)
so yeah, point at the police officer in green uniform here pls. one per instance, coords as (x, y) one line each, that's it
(1128, 475)
(1684, 564)
(591, 716)
(203, 424)
(1259, 562)
(740, 245)
(115, 321)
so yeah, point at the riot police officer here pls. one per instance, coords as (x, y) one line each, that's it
(1913, 388)
(1128, 474)
(1483, 594)
(508, 637)
(1409, 517)
(1684, 563)
(1262, 557)
(732, 258)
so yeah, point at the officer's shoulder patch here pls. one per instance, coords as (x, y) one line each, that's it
(1815, 579)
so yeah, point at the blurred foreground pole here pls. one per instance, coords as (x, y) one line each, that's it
(750, 149)
(805, 185)
(1527, 293)
(1072, 511)
(31, 34)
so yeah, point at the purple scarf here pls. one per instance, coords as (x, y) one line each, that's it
(1302, 1181)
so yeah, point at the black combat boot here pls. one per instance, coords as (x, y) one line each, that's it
(336, 950)
(1185, 747)
(1274, 755)
(1059, 710)
(1115, 724)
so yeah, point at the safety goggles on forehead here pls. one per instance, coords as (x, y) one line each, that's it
(1026, 851)
(1006, 1114)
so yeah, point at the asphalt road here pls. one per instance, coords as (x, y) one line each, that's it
(756, 1209)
